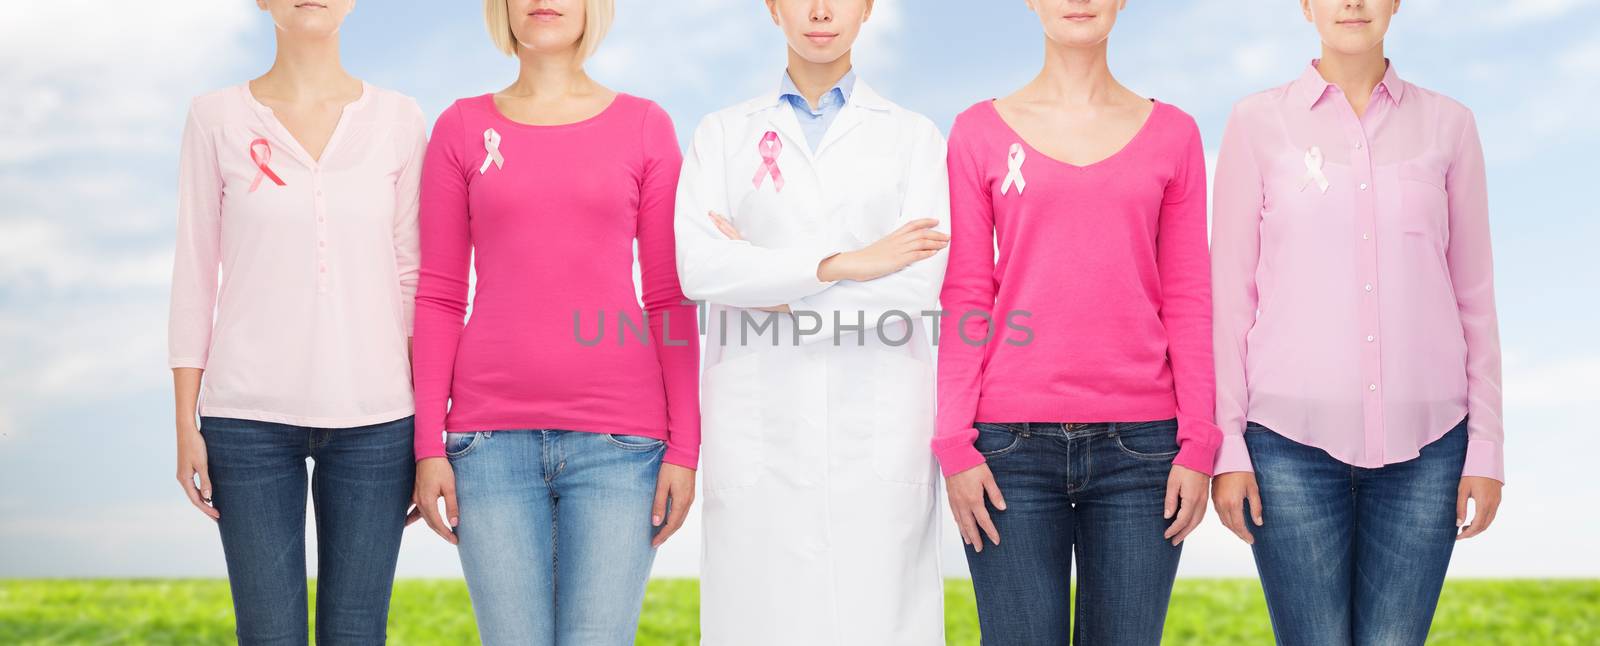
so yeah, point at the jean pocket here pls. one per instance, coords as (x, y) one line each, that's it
(995, 440)
(458, 445)
(1149, 440)
(634, 442)
(1252, 427)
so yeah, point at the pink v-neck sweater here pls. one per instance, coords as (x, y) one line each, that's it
(1100, 295)
(557, 338)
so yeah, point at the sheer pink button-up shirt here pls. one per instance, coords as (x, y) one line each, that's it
(1352, 279)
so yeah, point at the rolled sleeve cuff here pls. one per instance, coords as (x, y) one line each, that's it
(682, 457)
(802, 264)
(1233, 456)
(1197, 456)
(427, 444)
(1484, 460)
(958, 458)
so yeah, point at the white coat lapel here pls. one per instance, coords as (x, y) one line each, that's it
(863, 101)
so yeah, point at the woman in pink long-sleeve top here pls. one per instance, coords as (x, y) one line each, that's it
(561, 424)
(1075, 373)
(299, 189)
(1358, 358)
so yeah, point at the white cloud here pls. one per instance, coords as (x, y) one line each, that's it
(1561, 382)
(98, 80)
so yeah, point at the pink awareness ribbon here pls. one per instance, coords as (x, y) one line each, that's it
(770, 147)
(261, 154)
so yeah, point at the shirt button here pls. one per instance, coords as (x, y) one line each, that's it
(1371, 338)
(1358, 145)
(1366, 236)
(1369, 287)
(1372, 386)
(1363, 187)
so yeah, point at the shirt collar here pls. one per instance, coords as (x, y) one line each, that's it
(1311, 87)
(844, 88)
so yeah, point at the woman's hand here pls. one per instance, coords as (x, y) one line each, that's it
(967, 491)
(1485, 494)
(193, 473)
(1230, 492)
(914, 242)
(1186, 502)
(674, 496)
(435, 480)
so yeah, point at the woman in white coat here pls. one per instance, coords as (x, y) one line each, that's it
(812, 221)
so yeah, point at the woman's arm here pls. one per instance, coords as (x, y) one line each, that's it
(1235, 252)
(442, 290)
(441, 308)
(1183, 262)
(967, 297)
(194, 299)
(672, 318)
(407, 254)
(712, 267)
(1472, 275)
(909, 291)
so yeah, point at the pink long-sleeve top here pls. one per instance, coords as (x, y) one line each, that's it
(1354, 284)
(549, 216)
(1106, 268)
(307, 324)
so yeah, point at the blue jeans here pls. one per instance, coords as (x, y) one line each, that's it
(361, 489)
(1349, 555)
(1097, 490)
(555, 533)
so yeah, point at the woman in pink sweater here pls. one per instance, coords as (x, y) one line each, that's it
(561, 424)
(1075, 374)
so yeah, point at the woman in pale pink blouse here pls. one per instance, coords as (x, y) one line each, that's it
(1357, 350)
(300, 188)
(561, 423)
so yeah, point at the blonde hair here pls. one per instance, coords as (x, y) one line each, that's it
(597, 21)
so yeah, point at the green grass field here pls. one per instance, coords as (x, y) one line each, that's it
(1222, 612)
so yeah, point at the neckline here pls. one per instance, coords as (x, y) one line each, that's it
(494, 109)
(1156, 106)
(296, 147)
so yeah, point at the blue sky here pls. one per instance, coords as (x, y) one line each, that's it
(92, 103)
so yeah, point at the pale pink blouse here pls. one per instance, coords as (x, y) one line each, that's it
(1352, 276)
(309, 321)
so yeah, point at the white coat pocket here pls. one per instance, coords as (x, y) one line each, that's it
(903, 425)
(732, 446)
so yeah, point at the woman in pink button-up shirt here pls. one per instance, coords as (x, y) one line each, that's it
(1357, 350)
(300, 189)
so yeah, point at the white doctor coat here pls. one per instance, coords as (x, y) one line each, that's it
(821, 492)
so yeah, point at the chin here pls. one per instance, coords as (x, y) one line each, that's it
(1351, 45)
(315, 27)
(1079, 35)
(819, 57)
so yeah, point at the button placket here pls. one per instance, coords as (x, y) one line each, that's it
(319, 205)
(1365, 201)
